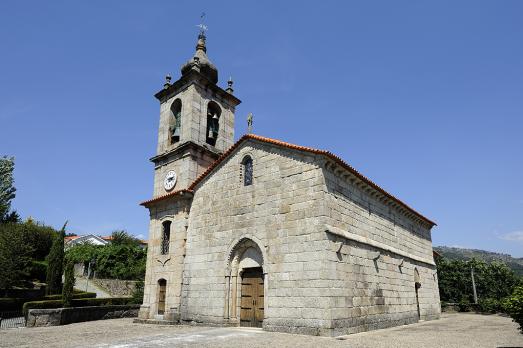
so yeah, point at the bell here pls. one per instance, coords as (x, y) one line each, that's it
(211, 134)
(176, 132)
(215, 117)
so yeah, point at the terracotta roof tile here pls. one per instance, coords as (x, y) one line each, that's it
(328, 154)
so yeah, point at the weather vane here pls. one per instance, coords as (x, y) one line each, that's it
(203, 27)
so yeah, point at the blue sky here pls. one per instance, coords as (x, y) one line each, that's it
(423, 97)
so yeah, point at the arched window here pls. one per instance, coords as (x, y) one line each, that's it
(213, 122)
(247, 170)
(175, 121)
(166, 237)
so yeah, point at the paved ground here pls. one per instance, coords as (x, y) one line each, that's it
(452, 330)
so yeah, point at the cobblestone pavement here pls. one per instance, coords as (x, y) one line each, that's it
(452, 330)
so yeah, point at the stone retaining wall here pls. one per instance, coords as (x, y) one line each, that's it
(116, 287)
(63, 316)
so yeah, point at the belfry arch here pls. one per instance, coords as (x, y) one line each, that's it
(245, 283)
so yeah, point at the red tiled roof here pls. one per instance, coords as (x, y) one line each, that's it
(332, 156)
(69, 238)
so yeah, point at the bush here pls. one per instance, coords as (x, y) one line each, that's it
(10, 304)
(38, 270)
(513, 305)
(81, 302)
(41, 305)
(137, 294)
(76, 295)
(122, 259)
(15, 255)
(464, 305)
(489, 305)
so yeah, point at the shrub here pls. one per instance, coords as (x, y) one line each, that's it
(464, 305)
(47, 304)
(15, 255)
(10, 304)
(137, 294)
(513, 305)
(76, 295)
(38, 270)
(489, 305)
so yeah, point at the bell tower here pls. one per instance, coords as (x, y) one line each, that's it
(196, 122)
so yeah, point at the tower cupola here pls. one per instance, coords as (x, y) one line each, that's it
(201, 62)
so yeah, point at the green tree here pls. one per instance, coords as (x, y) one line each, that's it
(494, 281)
(121, 262)
(67, 291)
(55, 261)
(7, 189)
(513, 305)
(15, 255)
(121, 237)
(40, 237)
(116, 261)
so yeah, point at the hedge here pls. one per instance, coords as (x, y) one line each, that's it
(15, 304)
(75, 295)
(81, 302)
(10, 304)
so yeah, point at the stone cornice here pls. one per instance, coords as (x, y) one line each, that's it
(378, 245)
(188, 145)
(194, 76)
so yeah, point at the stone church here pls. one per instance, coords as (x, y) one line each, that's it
(260, 232)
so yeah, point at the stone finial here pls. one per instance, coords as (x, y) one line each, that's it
(250, 118)
(196, 64)
(167, 81)
(229, 86)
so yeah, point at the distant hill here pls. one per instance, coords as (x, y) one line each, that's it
(516, 264)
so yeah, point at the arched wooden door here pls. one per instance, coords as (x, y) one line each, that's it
(252, 298)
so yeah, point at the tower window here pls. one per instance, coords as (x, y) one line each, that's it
(175, 121)
(247, 170)
(166, 237)
(213, 122)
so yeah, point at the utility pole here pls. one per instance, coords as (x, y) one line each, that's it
(473, 285)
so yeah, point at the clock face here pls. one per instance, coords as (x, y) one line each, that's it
(170, 180)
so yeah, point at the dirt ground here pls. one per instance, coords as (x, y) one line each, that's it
(452, 330)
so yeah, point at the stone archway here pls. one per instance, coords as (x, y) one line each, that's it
(245, 284)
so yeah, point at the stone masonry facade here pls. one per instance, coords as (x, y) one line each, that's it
(336, 260)
(265, 233)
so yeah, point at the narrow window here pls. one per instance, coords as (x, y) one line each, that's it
(247, 170)
(162, 288)
(175, 121)
(213, 122)
(166, 237)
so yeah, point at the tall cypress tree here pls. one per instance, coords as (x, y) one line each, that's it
(55, 261)
(67, 292)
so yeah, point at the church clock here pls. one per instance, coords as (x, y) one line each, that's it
(170, 180)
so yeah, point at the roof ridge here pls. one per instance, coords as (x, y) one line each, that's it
(329, 154)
